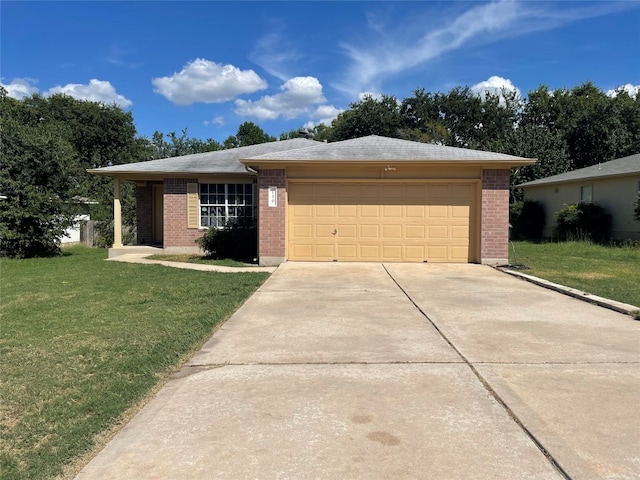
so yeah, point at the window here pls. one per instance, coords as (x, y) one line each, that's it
(225, 202)
(586, 194)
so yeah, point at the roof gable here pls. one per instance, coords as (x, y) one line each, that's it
(622, 166)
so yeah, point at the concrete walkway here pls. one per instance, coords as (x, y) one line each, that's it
(142, 258)
(366, 371)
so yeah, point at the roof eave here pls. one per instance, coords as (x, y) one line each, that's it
(511, 163)
(574, 180)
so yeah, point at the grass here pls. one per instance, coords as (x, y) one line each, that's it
(608, 271)
(187, 258)
(83, 341)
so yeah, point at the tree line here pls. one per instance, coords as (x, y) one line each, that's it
(48, 143)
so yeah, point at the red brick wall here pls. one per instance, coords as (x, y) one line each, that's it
(271, 220)
(494, 236)
(144, 214)
(176, 233)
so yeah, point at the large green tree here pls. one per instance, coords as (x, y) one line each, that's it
(248, 134)
(64, 136)
(174, 146)
(37, 172)
(370, 116)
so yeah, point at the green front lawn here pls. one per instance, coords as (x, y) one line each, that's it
(608, 271)
(82, 341)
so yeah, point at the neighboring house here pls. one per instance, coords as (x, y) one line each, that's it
(367, 199)
(72, 234)
(614, 185)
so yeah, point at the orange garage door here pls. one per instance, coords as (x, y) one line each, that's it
(399, 222)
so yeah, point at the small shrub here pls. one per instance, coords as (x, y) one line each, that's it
(583, 221)
(235, 241)
(636, 209)
(527, 220)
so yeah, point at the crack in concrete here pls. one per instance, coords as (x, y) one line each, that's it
(554, 463)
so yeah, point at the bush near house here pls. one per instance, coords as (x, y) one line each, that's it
(636, 209)
(527, 220)
(235, 241)
(583, 221)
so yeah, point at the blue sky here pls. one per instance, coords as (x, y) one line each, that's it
(209, 66)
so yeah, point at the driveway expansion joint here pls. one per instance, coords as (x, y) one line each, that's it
(554, 463)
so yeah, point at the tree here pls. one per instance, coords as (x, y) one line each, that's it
(90, 134)
(176, 146)
(369, 117)
(248, 134)
(36, 177)
(534, 142)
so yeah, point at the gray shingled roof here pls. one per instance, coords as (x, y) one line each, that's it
(376, 148)
(220, 161)
(622, 166)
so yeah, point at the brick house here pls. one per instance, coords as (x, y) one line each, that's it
(366, 199)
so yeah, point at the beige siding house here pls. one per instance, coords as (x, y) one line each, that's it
(367, 199)
(614, 185)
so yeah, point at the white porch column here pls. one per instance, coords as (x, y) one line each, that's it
(117, 215)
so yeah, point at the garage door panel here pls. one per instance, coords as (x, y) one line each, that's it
(350, 211)
(438, 211)
(302, 230)
(370, 231)
(460, 232)
(325, 251)
(370, 211)
(415, 253)
(349, 230)
(438, 232)
(415, 211)
(461, 211)
(348, 251)
(370, 252)
(392, 253)
(392, 211)
(415, 232)
(391, 232)
(377, 222)
(326, 211)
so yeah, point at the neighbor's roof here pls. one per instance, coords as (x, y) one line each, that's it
(622, 166)
(383, 149)
(220, 161)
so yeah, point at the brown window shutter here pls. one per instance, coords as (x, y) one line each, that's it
(192, 205)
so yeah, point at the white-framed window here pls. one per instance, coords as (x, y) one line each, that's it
(586, 194)
(221, 203)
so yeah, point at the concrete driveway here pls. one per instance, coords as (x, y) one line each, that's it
(367, 371)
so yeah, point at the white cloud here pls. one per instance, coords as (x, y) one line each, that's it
(298, 95)
(95, 91)
(495, 85)
(214, 121)
(20, 88)
(208, 82)
(323, 114)
(632, 90)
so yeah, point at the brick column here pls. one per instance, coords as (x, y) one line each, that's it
(271, 220)
(494, 234)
